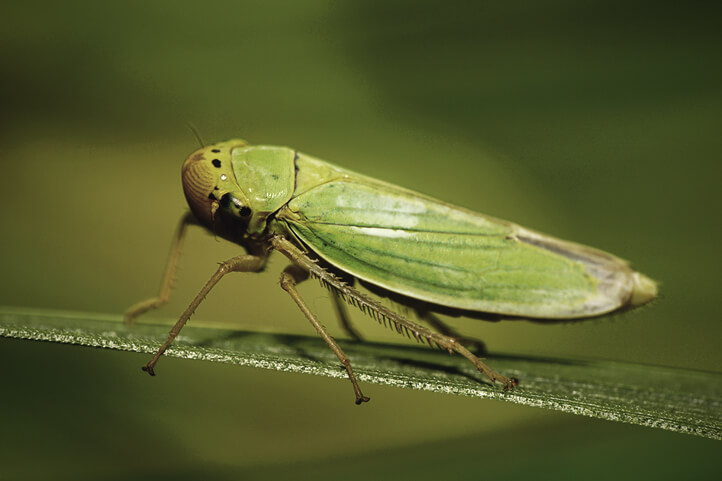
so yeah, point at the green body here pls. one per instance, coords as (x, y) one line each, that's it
(411, 244)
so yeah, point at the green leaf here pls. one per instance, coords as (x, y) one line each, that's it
(661, 397)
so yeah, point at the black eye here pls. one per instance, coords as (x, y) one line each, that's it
(225, 200)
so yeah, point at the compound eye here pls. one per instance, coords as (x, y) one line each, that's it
(234, 205)
(198, 185)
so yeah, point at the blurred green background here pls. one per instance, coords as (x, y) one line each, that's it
(597, 121)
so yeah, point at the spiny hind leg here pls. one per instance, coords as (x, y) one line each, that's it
(509, 382)
(381, 313)
(291, 276)
(474, 345)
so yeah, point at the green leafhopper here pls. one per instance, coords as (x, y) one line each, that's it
(342, 227)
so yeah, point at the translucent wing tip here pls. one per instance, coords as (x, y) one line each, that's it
(643, 290)
(619, 287)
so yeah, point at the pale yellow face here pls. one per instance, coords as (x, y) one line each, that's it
(207, 176)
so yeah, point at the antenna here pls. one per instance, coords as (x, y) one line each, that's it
(195, 132)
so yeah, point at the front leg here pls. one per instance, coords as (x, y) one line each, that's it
(245, 263)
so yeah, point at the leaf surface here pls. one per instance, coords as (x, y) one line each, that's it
(667, 398)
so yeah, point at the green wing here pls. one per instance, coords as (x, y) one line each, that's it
(428, 250)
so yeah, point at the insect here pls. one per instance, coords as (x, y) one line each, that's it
(342, 227)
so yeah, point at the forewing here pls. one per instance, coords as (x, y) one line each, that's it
(432, 251)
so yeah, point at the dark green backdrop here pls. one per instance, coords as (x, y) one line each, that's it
(597, 121)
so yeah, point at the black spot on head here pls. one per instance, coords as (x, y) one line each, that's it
(216, 163)
(245, 211)
(215, 188)
(215, 151)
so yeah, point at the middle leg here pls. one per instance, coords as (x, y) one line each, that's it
(342, 314)
(291, 276)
